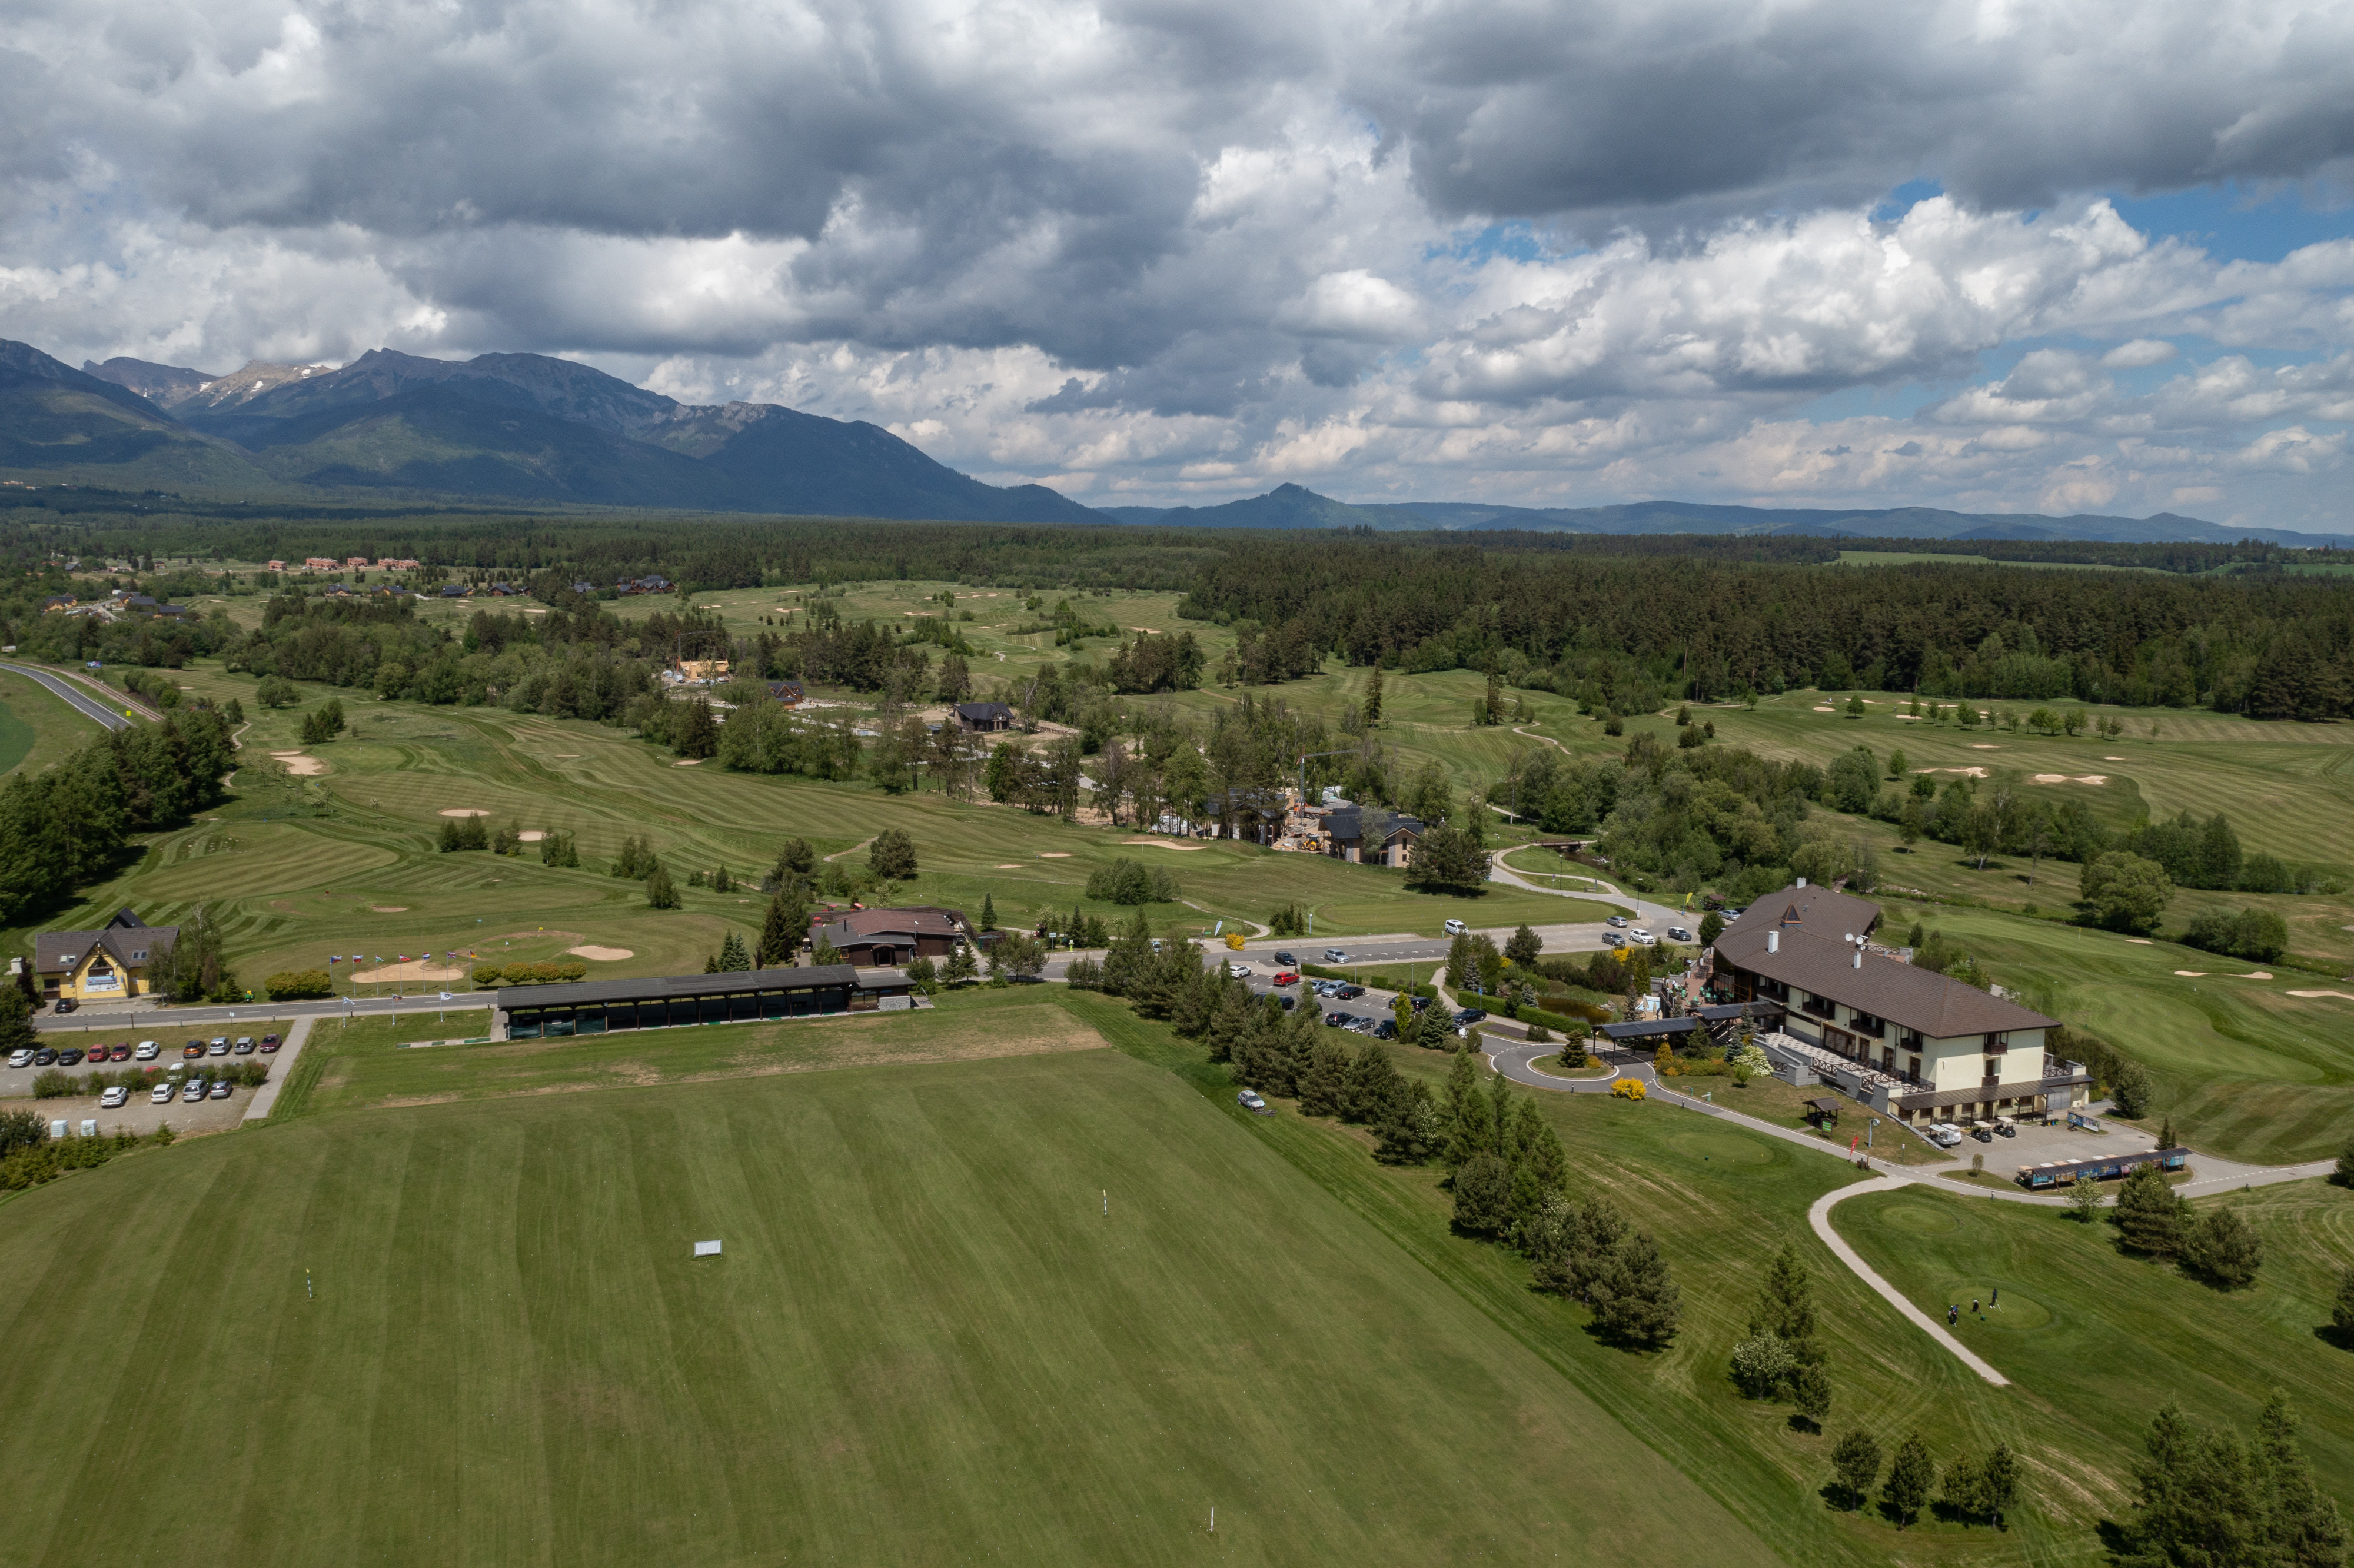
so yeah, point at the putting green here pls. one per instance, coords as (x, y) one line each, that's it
(1720, 1148)
(2018, 1313)
(1919, 1219)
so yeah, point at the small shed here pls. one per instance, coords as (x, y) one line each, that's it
(1822, 1112)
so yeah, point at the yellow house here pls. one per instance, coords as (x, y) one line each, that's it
(105, 965)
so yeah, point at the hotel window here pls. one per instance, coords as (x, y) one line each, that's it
(1997, 1043)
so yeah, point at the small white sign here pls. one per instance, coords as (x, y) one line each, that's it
(707, 1249)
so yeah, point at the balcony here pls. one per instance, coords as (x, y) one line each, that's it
(1821, 1007)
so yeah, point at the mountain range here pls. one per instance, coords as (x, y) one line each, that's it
(510, 427)
(530, 429)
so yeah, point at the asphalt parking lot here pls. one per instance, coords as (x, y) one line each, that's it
(138, 1116)
(141, 1115)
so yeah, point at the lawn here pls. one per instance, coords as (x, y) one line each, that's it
(474, 1333)
(2096, 1338)
(36, 728)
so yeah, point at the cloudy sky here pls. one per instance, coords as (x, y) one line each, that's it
(1996, 255)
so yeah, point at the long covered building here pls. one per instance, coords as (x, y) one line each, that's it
(1936, 1048)
(598, 1007)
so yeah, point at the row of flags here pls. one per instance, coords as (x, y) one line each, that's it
(450, 957)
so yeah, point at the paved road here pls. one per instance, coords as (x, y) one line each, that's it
(75, 696)
(120, 1018)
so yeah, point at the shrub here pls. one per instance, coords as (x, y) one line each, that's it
(2254, 934)
(54, 1084)
(288, 983)
(1084, 974)
(487, 974)
(2224, 1248)
(1290, 920)
(1126, 882)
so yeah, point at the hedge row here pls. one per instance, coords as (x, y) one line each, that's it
(541, 973)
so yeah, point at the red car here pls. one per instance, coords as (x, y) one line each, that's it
(120, 1053)
(269, 1043)
(192, 1048)
(1287, 977)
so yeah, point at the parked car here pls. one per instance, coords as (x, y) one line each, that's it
(1734, 914)
(221, 1090)
(1385, 1029)
(66, 1004)
(1350, 992)
(114, 1098)
(245, 1044)
(269, 1043)
(1361, 1025)
(72, 1057)
(192, 1048)
(44, 1056)
(1458, 929)
(1470, 1015)
(1237, 971)
(120, 1053)
(1613, 940)
(1287, 961)
(1288, 1002)
(148, 1050)
(1678, 934)
(1335, 956)
(1335, 1019)
(219, 1046)
(21, 1058)
(1642, 938)
(193, 1089)
(1619, 921)
(1286, 977)
(1421, 1003)
(1250, 1099)
(163, 1095)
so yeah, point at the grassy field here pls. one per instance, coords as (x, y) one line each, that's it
(2081, 1323)
(473, 1332)
(36, 728)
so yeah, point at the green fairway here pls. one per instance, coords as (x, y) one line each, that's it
(2101, 1338)
(925, 1341)
(15, 740)
(36, 727)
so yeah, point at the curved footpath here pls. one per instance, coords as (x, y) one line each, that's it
(1514, 1062)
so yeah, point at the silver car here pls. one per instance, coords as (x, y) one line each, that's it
(164, 1095)
(193, 1089)
(221, 1090)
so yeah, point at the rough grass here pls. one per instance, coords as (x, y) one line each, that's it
(925, 1341)
(36, 728)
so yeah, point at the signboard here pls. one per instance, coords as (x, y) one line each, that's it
(895, 1004)
(707, 1249)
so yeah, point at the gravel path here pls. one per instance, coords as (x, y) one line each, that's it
(289, 1051)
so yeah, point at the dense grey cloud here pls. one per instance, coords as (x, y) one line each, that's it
(1174, 252)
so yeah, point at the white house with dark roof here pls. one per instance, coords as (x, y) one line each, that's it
(1934, 1049)
(105, 965)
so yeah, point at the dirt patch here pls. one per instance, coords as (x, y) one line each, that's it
(2340, 995)
(466, 812)
(415, 970)
(1165, 843)
(601, 954)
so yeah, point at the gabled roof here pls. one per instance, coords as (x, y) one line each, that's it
(865, 926)
(975, 712)
(119, 938)
(1811, 924)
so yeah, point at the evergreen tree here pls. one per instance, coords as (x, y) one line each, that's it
(1525, 949)
(891, 856)
(989, 914)
(660, 892)
(16, 1020)
(2222, 1245)
(783, 927)
(2341, 1312)
(1785, 1304)
(698, 736)
(796, 859)
(1911, 1476)
(1469, 1124)
(1811, 1391)
(1634, 1296)
(1483, 1191)
(2343, 1174)
(2196, 1497)
(2301, 1526)
(1409, 1126)
(1373, 708)
(1998, 1483)
(2166, 1133)
(1459, 971)
(961, 967)
(1855, 1464)
(732, 956)
(2148, 1214)
(1964, 1493)
(825, 954)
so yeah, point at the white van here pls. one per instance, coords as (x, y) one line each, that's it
(1458, 929)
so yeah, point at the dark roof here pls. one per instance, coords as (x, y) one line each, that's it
(120, 936)
(1649, 1028)
(1814, 958)
(664, 987)
(975, 712)
(1348, 822)
(1726, 1012)
(922, 919)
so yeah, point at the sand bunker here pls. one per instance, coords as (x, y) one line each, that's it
(2192, 974)
(1984, 746)
(531, 835)
(2064, 779)
(1970, 773)
(416, 970)
(1053, 854)
(1164, 843)
(2255, 974)
(2340, 995)
(300, 767)
(688, 762)
(1825, 708)
(602, 955)
(466, 812)
(2141, 941)
(1008, 865)
(2113, 760)
(388, 908)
